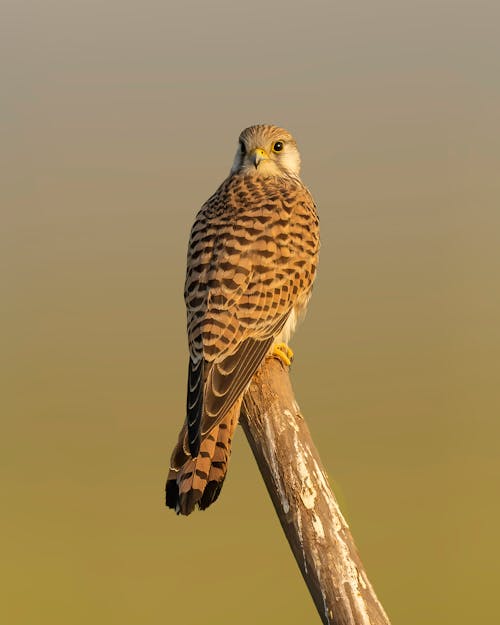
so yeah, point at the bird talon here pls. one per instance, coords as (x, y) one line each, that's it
(282, 352)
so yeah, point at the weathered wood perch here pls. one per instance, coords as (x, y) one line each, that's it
(308, 511)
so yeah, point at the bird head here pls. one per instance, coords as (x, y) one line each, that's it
(266, 150)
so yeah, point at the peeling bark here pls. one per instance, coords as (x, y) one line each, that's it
(308, 511)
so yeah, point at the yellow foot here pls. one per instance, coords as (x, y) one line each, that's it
(282, 352)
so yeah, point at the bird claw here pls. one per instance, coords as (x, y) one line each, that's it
(282, 352)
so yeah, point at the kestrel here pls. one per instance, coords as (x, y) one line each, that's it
(252, 258)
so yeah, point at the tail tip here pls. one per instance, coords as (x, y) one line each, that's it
(183, 503)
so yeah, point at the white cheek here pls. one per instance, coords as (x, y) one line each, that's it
(290, 161)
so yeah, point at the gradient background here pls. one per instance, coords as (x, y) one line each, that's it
(117, 120)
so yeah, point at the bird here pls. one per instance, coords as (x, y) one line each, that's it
(251, 263)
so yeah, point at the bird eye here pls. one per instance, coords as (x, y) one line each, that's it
(242, 147)
(278, 146)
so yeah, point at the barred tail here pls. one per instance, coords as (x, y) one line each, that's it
(198, 481)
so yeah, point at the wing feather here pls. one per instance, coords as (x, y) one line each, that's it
(250, 259)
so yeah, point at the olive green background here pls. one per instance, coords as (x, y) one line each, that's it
(117, 120)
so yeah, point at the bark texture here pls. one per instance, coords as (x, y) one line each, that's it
(308, 511)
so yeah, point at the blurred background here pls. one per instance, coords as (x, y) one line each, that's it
(117, 120)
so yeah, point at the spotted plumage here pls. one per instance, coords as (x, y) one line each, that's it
(252, 260)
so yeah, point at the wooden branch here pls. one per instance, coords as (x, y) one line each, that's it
(308, 511)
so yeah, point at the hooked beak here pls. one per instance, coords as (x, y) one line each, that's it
(257, 156)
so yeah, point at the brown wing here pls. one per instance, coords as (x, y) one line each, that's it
(252, 256)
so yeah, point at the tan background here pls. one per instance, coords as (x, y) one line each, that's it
(118, 119)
